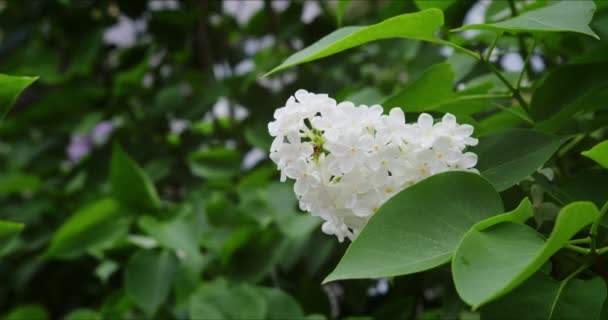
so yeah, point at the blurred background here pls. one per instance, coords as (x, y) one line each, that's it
(179, 86)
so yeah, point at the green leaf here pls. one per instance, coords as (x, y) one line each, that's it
(8, 231)
(541, 297)
(83, 314)
(130, 184)
(403, 237)
(420, 25)
(491, 262)
(17, 182)
(181, 234)
(216, 300)
(561, 95)
(564, 16)
(518, 215)
(507, 157)
(92, 226)
(29, 312)
(281, 305)
(148, 277)
(10, 88)
(433, 86)
(599, 153)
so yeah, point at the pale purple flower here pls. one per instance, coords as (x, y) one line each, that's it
(101, 132)
(79, 147)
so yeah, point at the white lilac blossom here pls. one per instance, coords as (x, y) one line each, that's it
(348, 160)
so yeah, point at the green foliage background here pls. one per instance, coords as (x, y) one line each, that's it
(156, 222)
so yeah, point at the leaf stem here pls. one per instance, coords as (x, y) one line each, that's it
(580, 241)
(524, 117)
(480, 58)
(578, 249)
(516, 93)
(526, 62)
(492, 46)
(594, 227)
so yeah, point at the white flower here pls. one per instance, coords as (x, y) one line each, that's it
(347, 161)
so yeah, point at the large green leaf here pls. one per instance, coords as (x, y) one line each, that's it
(564, 16)
(148, 277)
(507, 157)
(130, 184)
(92, 226)
(599, 153)
(542, 298)
(8, 231)
(433, 86)
(10, 88)
(420, 25)
(493, 261)
(420, 227)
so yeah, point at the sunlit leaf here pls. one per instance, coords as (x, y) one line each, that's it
(564, 16)
(420, 25)
(599, 153)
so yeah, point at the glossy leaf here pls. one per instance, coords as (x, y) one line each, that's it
(92, 226)
(130, 184)
(541, 297)
(491, 262)
(420, 227)
(420, 25)
(10, 88)
(507, 157)
(599, 153)
(564, 16)
(148, 277)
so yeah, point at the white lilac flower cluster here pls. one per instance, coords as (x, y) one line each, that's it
(348, 160)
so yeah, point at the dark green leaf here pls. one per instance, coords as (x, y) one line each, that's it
(130, 184)
(541, 297)
(8, 231)
(507, 157)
